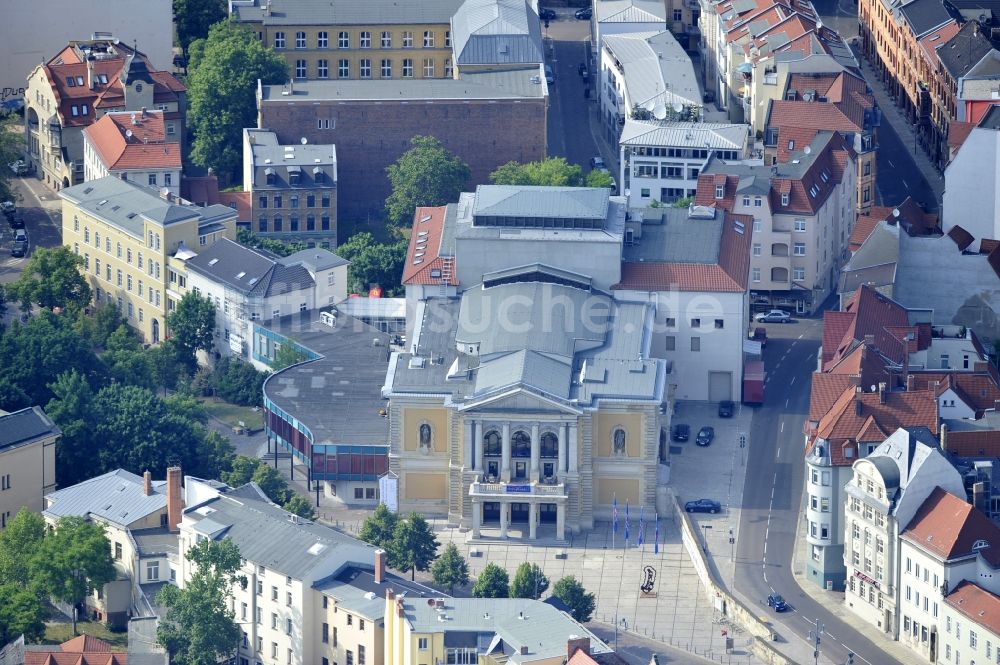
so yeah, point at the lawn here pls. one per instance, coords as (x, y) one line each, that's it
(232, 414)
(57, 633)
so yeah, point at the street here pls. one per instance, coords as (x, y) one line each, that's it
(39, 207)
(773, 495)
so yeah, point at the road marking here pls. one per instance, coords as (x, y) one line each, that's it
(782, 426)
(906, 185)
(792, 382)
(890, 163)
(786, 402)
(801, 336)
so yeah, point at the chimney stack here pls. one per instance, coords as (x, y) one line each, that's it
(857, 407)
(881, 392)
(944, 437)
(979, 496)
(142, 112)
(175, 503)
(147, 483)
(910, 379)
(379, 566)
(869, 339)
(576, 643)
(90, 72)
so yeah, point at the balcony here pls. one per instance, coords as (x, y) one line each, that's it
(492, 488)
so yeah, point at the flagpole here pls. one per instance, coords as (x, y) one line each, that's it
(614, 518)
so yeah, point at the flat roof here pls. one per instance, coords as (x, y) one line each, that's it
(325, 12)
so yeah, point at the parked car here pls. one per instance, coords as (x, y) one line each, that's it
(20, 234)
(598, 163)
(681, 432)
(16, 221)
(8, 208)
(546, 14)
(703, 506)
(550, 76)
(726, 409)
(584, 14)
(705, 435)
(777, 602)
(19, 248)
(20, 167)
(760, 335)
(774, 316)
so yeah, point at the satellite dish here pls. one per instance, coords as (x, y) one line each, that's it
(128, 133)
(807, 150)
(650, 105)
(874, 388)
(895, 212)
(304, 140)
(678, 107)
(660, 112)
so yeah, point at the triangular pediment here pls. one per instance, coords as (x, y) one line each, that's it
(517, 400)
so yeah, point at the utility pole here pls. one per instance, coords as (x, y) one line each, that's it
(732, 546)
(815, 636)
(704, 544)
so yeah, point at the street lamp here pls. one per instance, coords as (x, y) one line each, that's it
(704, 542)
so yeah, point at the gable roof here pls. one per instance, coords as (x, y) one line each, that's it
(250, 271)
(977, 604)
(496, 32)
(21, 428)
(964, 50)
(840, 102)
(870, 314)
(825, 390)
(427, 260)
(81, 650)
(977, 389)
(948, 527)
(126, 140)
(923, 16)
(117, 496)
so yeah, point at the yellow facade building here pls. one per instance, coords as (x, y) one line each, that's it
(127, 234)
(27, 461)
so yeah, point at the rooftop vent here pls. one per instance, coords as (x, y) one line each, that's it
(316, 548)
(426, 218)
(241, 275)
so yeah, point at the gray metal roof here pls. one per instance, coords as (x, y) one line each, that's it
(656, 70)
(315, 164)
(525, 201)
(631, 11)
(355, 590)
(316, 259)
(328, 12)
(117, 497)
(670, 235)
(926, 15)
(154, 542)
(523, 82)
(489, 32)
(711, 135)
(24, 427)
(459, 218)
(272, 537)
(965, 50)
(251, 272)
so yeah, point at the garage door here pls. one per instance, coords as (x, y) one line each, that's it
(720, 386)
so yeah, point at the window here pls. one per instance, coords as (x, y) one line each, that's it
(288, 626)
(274, 649)
(428, 39)
(757, 225)
(670, 343)
(678, 16)
(361, 654)
(386, 39)
(167, 179)
(344, 40)
(365, 40)
(757, 202)
(407, 39)
(799, 249)
(288, 598)
(428, 68)
(720, 324)
(326, 629)
(696, 343)
(784, 198)
(323, 39)
(422, 643)
(756, 249)
(972, 639)
(824, 504)
(447, 68)
(365, 67)
(300, 69)
(798, 274)
(279, 40)
(325, 222)
(407, 68)
(696, 323)
(323, 68)
(800, 225)
(97, 266)
(386, 70)
(755, 274)
(720, 191)
(118, 551)
(128, 279)
(300, 40)
(344, 69)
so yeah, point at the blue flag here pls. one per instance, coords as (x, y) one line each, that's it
(626, 521)
(642, 525)
(614, 510)
(656, 536)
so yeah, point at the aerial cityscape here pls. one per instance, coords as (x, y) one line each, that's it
(489, 332)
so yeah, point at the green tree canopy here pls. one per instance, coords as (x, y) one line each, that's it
(580, 601)
(11, 149)
(425, 175)
(272, 483)
(413, 546)
(242, 470)
(529, 582)
(239, 382)
(379, 527)
(373, 263)
(72, 408)
(192, 327)
(193, 18)
(18, 544)
(286, 356)
(20, 613)
(450, 569)
(598, 178)
(73, 560)
(222, 85)
(52, 278)
(549, 172)
(280, 247)
(299, 505)
(199, 628)
(492, 583)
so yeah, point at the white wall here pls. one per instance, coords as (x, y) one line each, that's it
(970, 200)
(36, 31)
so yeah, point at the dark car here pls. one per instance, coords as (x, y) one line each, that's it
(16, 221)
(19, 248)
(8, 208)
(726, 409)
(681, 432)
(760, 335)
(705, 435)
(546, 14)
(584, 14)
(777, 602)
(703, 506)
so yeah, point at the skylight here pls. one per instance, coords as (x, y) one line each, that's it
(213, 262)
(241, 275)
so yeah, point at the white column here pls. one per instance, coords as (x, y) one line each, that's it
(562, 447)
(561, 520)
(532, 520)
(480, 444)
(536, 447)
(469, 460)
(505, 454)
(503, 519)
(574, 448)
(477, 518)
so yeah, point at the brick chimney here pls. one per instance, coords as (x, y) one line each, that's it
(379, 566)
(175, 502)
(910, 379)
(147, 483)
(574, 644)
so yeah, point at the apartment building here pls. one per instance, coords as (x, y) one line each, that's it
(803, 214)
(969, 625)
(661, 161)
(972, 203)
(73, 89)
(27, 460)
(647, 76)
(127, 234)
(134, 146)
(292, 187)
(969, 64)
(618, 17)
(371, 40)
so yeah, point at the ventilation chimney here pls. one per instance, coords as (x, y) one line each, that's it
(980, 496)
(944, 437)
(575, 643)
(90, 72)
(869, 339)
(524, 649)
(175, 502)
(147, 483)
(142, 112)
(389, 594)
(881, 392)
(379, 566)
(910, 380)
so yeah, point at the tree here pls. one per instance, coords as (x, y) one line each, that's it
(242, 470)
(550, 172)
(379, 527)
(280, 247)
(165, 364)
(450, 569)
(271, 483)
(193, 18)
(18, 543)
(492, 583)
(20, 613)
(579, 600)
(598, 178)
(373, 263)
(192, 327)
(299, 505)
(413, 545)
(425, 175)
(199, 628)
(73, 560)
(239, 382)
(286, 356)
(682, 203)
(529, 582)
(52, 278)
(11, 149)
(72, 408)
(222, 85)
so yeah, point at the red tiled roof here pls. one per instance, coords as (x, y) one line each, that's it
(961, 237)
(123, 143)
(728, 275)
(81, 650)
(824, 392)
(874, 315)
(932, 41)
(977, 604)
(238, 201)
(977, 389)
(844, 110)
(957, 133)
(86, 643)
(425, 240)
(864, 226)
(835, 326)
(974, 443)
(948, 527)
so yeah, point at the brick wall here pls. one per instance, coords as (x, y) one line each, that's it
(369, 136)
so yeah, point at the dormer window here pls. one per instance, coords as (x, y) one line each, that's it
(980, 545)
(269, 174)
(784, 198)
(791, 145)
(719, 191)
(293, 178)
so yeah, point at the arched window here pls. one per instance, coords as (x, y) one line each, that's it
(520, 444)
(424, 431)
(492, 444)
(550, 445)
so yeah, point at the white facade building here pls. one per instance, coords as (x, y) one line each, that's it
(969, 629)
(133, 146)
(616, 17)
(970, 200)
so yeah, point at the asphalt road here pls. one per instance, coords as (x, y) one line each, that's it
(773, 495)
(42, 228)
